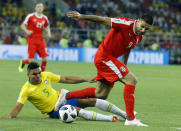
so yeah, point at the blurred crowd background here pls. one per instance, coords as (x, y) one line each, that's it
(165, 35)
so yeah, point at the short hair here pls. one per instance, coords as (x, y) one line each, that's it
(32, 65)
(147, 18)
(37, 3)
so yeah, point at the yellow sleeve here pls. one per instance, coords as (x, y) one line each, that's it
(53, 77)
(23, 96)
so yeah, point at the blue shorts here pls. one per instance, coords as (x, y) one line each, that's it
(73, 102)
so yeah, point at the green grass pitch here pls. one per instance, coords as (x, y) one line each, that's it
(157, 99)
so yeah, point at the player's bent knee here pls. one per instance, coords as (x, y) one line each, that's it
(130, 80)
(92, 101)
(135, 80)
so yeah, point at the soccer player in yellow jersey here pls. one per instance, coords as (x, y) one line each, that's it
(38, 90)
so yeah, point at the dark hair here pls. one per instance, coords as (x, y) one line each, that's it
(33, 65)
(147, 18)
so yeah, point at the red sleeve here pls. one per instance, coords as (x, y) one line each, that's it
(46, 22)
(27, 19)
(120, 23)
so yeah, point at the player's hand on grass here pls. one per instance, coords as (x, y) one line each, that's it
(74, 15)
(5, 117)
(91, 80)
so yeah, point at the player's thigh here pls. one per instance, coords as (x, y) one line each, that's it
(88, 102)
(129, 79)
(32, 49)
(42, 50)
(102, 91)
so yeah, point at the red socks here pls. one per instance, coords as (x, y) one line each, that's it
(43, 65)
(25, 61)
(129, 100)
(84, 93)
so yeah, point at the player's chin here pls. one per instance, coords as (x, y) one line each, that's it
(38, 81)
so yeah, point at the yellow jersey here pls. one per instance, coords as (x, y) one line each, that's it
(42, 95)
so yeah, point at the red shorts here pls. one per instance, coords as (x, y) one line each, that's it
(109, 69)
(37, 46)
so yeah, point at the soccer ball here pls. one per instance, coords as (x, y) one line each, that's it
(67, 113)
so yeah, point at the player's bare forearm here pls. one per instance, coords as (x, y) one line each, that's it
(94, 18)
(24, 28)
(99, 19)
(75, 79)
(125, 57)
(48, 32)
(4, 117)
(15, 111)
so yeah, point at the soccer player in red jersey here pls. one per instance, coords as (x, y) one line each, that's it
(123, 36)
(33, 26)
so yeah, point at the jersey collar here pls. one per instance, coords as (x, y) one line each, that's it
(30, 82)
(38, 15)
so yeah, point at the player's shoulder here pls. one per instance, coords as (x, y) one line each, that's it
(31, 14)
(44, 16)
(25, 86)
(49, 74)
(123, 20)
(46, 74)
(128, 19)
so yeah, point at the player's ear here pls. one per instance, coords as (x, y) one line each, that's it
(138, 20)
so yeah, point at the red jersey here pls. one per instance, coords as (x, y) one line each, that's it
(36, 24)
(121, 37)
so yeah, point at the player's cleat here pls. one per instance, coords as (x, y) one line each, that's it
(21, 65)
(134, 122)
(135, 113)
(115, 118)
(61, 98)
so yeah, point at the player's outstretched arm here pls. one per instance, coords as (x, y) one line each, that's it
(15, 111)
(75, 79)
(94, 18)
